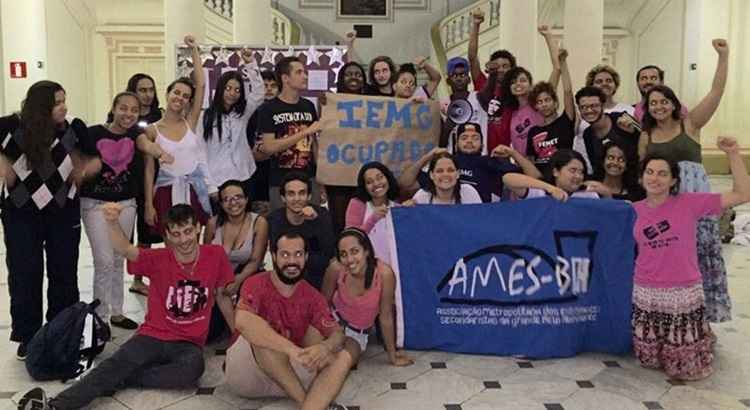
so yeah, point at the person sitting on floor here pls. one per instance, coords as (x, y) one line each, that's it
(167, 351)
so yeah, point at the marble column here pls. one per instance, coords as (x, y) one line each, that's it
(518, 34)
(253, 22)
(583, 36)
(181, 17)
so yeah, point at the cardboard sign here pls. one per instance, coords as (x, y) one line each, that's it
(358, 129)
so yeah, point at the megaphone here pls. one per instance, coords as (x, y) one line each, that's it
(460, 111)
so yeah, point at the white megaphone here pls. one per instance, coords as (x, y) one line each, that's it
(460, 111)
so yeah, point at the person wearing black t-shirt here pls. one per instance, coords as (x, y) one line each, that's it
(144, 86)
(287, 125)
(483, 172)
(619, 127)
(258, 186)
(557, 131)
(115, 144)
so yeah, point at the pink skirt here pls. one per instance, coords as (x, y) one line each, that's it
(671, 333)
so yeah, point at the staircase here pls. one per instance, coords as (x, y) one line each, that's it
(219, 20)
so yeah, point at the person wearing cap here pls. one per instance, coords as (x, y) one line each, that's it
(458, 80)
(484, 173)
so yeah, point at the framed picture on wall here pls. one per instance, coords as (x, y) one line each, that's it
(364, 10)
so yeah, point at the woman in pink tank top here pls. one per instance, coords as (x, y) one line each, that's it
(360, 292)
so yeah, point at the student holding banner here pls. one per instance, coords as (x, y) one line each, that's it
(444, 187)
(361, 293)
(670, 322)
(351, 80)
(288, 125)
(568, 171)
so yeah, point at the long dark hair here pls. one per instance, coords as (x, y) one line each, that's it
(560, 159)
(508, 99)
(364, 241)
(38, 128)
(361, 192)
(221, 215)
(116, 100)
(630, 176)
(371, 71)
(133, 88)
(674, 169)
(431, 184)
(341, 84)
(648, 121)
(215, 111)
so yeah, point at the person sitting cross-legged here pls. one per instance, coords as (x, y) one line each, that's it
(287, 342)
(167, 351)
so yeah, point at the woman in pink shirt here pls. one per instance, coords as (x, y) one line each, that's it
(361, 292)
(670, 330)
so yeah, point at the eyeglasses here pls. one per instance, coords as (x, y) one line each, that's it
(590, 107)
(233, 198)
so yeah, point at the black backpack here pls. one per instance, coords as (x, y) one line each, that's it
(57, 350)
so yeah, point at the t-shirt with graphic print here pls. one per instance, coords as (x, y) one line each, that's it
(283, 119)
(288, 316)
(180, 297)
(117, 179)
(665, 235)
(484, 173)
(521, 122)
(545, 140)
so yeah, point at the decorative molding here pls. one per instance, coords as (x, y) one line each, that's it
(411, 5)
(122, 44)
(316, 4)
(356, 17)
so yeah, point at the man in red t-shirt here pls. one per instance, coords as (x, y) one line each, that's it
(501, 61)
(287, 341)
(167, 351)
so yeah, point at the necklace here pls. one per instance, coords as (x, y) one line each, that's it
(194, 263)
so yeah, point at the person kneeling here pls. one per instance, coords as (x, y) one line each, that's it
(287, 342)
(166, 352)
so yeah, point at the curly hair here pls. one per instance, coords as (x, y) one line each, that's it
(603, 68)
(538, 89)
(508, 99)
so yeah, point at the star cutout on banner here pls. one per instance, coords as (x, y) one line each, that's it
(289, 52)
(313, 55)
(222, 57)
(336, 72)
(268, 56)
(335, 56)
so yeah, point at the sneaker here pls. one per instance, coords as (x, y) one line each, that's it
(123, 323)
(34, 399)
(21, 352)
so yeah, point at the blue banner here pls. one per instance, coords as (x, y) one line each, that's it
(536, 277)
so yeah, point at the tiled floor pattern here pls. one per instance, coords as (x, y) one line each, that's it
(440, 380)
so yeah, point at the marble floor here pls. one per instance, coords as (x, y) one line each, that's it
(449, 381)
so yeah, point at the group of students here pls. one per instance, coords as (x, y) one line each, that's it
(242, 173)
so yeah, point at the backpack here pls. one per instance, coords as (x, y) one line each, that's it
(57, 350)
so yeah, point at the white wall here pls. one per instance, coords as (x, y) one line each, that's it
(67, 57)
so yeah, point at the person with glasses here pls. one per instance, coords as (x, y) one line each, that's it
(243, 235)
(605, 127)
(666, 132)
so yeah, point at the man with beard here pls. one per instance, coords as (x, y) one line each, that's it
(287, 341)
(646, 78)
(614, 126)
(311, 221)
(167, 351)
